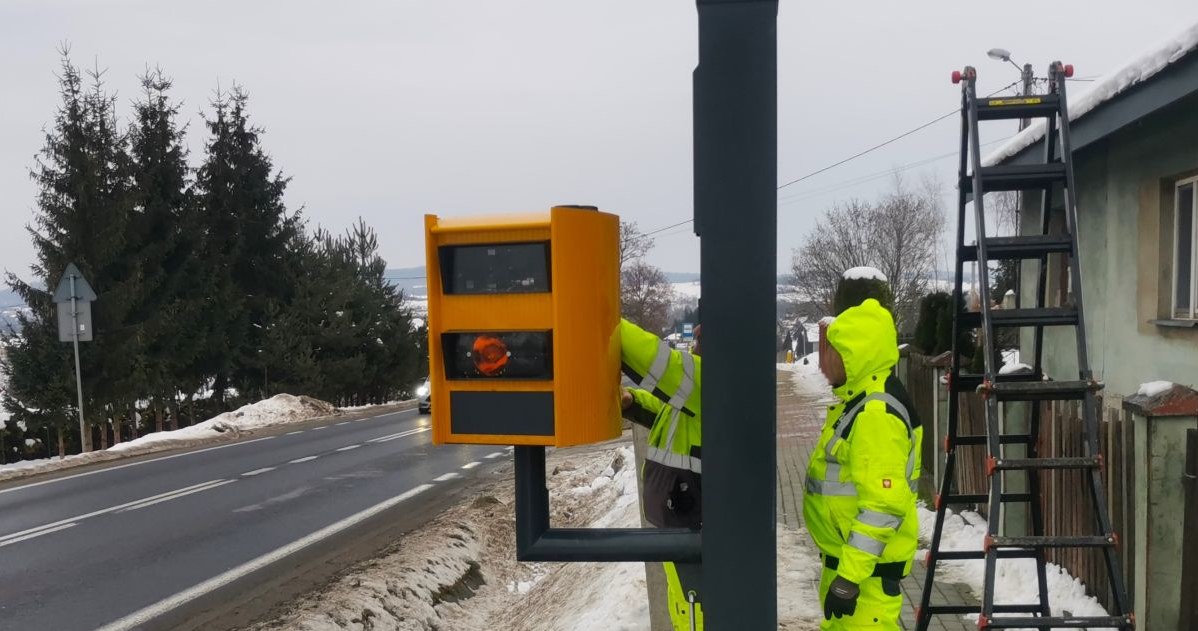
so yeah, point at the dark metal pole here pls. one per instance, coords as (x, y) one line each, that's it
(736, 163)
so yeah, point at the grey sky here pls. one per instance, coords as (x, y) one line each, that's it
(389, 110)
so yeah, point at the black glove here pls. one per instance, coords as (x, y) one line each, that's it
(841, 599)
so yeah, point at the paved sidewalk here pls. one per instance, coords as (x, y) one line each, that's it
(800, 417)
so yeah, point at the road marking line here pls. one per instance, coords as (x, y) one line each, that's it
(298, 431)
(494, 454)
(131, 464)
(447, 477)
(304, 459)
(471, 465)
(175, 496)
(37, 534)
(101, 511)
(344, 423)
(142, 616)
(410, 432)
(349, 447)
(317, 429)
(257, 471)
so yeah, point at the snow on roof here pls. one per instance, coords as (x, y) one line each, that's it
(1153, 388)
(1137, 70)
(864, 272)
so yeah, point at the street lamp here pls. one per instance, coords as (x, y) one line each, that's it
(1025, 71)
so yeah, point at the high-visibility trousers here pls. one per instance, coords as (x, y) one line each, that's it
(878, 607)
(682, 593)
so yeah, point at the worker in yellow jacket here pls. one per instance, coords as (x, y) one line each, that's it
(667, 401)
(859, 503)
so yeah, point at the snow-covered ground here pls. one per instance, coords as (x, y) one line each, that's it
(459, 572)
(277, 410)
(1016, 580)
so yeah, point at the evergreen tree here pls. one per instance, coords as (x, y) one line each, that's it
(245, 234)
(168, 308)
(83, 214)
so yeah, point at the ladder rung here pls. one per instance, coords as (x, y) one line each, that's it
(979, 498)
(968, 609)
(1052, 542)
(1043, 390)
(969, 382)
(1017, 177)
(1009, 108)
(1117, 622)
(973, 555)
(1005, 439)
(1027, 247)
(1028, 464)
(1011, 318)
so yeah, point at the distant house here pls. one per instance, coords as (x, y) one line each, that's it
(1135, 143)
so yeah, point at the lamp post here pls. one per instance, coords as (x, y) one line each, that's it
(1025, 71)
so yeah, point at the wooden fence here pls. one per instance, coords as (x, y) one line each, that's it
(1065, 498)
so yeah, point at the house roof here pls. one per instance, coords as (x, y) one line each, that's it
(1109, 104)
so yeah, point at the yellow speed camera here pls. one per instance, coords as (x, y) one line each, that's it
(523, 319)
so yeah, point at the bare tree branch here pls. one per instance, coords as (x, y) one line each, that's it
(646, 296)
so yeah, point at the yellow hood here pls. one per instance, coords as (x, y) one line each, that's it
(866, 339)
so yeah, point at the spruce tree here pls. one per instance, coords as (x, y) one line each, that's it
(246, 231)
(82, 216)
(169, 307)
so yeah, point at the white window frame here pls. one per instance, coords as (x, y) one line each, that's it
(1191, 313)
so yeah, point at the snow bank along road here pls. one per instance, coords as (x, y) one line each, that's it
(178, 541)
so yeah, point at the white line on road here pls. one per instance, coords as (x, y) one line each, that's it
(176, 496)
(298, 431)
(101, 511)
(304, 459)
(447, 477)
(410, 432)
(37, 534)
(344, 423)
(471, 465)
(131, 464)
(142, 616)
(494, 454)
(317, 429)
(257, 471)
(349, 447)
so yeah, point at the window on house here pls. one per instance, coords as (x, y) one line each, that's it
(1185, 240)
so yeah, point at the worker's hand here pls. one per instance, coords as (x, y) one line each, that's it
(841, 599)
(625, 399)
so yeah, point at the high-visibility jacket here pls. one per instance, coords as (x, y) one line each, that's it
(668, 392)
(859, 503)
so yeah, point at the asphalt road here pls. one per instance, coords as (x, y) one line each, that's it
(160, 542)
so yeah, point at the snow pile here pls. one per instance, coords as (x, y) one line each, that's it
(859, 273)
(277, 410)
(806, 376)
(1153, 388)
(1139, 69)
(1015, 580)
(1016, 368)
(460, 572)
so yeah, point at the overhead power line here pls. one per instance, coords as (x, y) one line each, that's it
(856, 155)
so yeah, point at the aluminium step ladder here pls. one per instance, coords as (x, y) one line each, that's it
(976, 180)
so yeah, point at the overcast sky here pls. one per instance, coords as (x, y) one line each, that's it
(389, 110)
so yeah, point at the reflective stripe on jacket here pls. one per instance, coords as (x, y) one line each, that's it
(859, 503)
(668, 389)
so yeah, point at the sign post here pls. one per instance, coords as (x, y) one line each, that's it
(74, 297)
